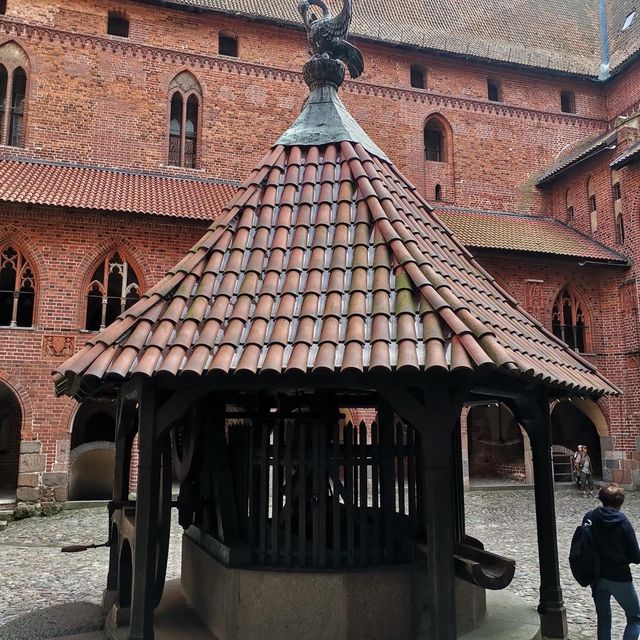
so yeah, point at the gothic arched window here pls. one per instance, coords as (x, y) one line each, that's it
(569, 207)
(184, 119)
(434, 141)
(593, 205)
(17, 288)
(570, 321)
(13, 94)
(114, 287)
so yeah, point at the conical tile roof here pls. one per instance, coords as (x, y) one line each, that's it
(326, 260)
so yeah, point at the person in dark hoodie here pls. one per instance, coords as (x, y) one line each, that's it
(617, 546)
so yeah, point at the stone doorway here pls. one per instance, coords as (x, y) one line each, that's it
(10, 427)
(92, 454)
(572, 424)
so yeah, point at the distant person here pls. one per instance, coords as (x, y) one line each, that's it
(575, 465)
(617, 546)
(586, 473)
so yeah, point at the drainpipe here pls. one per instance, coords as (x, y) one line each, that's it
(604, 42)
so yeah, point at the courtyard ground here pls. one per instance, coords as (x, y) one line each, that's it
(34, 574)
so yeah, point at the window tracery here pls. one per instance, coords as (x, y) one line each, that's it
(570, 321)
(13, 94)
(114, 287)
(17, 288)
(184, 121)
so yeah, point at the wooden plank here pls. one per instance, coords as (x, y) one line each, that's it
(316, 516)
(400, 458)
(362, 455)
(254, 494)
(276, 493)
(288, 489)
(411, 477)
(321, 505)
(348, 494)
(264, 486)
(302, 495)
(385, 416)
(335, 473)
(375, 491)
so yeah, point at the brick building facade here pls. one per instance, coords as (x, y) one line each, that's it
(119, 130)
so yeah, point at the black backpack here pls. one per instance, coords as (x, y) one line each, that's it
(584, 559)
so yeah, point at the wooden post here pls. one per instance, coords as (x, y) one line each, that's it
(436, 465)
(534, 415)
(144, 570)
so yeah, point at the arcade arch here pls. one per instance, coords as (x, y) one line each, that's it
(92, 454)
(577, 421)
(10, 428)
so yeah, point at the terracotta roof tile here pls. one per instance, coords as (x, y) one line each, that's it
(517, 232)
(561, 35)
(82, 187)
(370, 280)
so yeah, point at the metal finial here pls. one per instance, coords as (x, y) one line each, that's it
(328, 45)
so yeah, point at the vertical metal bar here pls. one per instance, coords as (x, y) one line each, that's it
(288, 491)
(253, 495)
(335, 471)
(364, 510)
(276, 494)
(302, 496)
(375, 490)
(348, 493)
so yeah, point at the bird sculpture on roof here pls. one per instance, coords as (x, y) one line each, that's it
(327, 34)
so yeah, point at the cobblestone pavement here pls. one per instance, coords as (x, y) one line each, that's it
(34, 574)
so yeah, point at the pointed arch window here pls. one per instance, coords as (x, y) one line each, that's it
(570, 321)
(434, 141)
(438, 193)
(114, 287)
(17, 288)
(593, 205)
(617, 206)
(13, 94)
(184, 120)
(569, 207)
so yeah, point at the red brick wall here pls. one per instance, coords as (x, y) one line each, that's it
(63, 247)
(103, 100)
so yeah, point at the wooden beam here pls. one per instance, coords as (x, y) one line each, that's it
(147, 504)
(175, 407)
(533, 413)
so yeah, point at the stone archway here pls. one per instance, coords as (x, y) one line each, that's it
(581, 421)
(10, 428)
(92, 454)
(497, 446)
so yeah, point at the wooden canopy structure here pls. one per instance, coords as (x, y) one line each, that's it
(327, 283)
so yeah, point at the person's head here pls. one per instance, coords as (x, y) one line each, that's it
(580, 447)
(611, 495)
(585, 449)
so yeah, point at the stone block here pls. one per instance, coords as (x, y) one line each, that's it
(27, 494)
(54, 479)
(612, 464)
(30, 446)
(62, 451)
(23, 510)
(607, 444)
(626, 476)
(28, 479)
(32, 462)
(50, 509)
(606, 475)
(635, 478)
(630, 464)
(60, 494)
(615, 455)
(616, 475)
